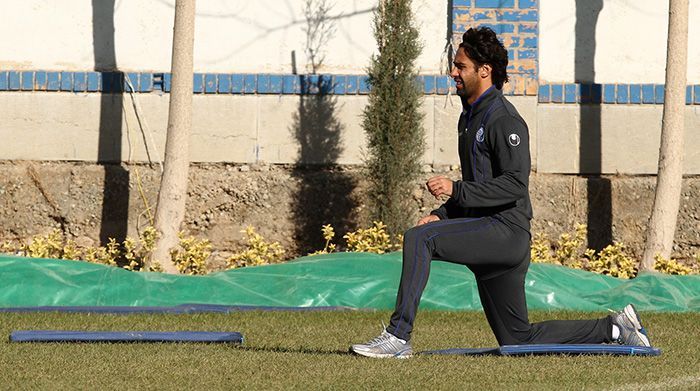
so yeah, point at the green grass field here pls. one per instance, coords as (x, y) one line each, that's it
(287, 350)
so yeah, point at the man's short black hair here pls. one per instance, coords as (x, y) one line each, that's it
(483, 47)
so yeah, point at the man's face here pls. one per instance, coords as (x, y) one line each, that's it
(464, 72)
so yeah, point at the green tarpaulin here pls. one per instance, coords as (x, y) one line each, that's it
(356, 280)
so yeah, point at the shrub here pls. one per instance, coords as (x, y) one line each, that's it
(191, 257)
(613, 260)
(392, 119)
(568, 249)
(328, 235)
(541, 249)
(259, 251)
(670, 266)
(372, 240)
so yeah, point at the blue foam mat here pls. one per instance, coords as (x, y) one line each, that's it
(128, 336)
(178, 309)
(574, 349)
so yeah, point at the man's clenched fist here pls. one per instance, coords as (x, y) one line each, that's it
(439, 185)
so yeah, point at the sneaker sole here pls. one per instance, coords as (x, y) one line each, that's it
(631, 314)
(380, 355)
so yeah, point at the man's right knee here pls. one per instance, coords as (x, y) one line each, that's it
(413, 234)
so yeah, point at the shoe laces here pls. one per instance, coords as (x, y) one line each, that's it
(383, 337)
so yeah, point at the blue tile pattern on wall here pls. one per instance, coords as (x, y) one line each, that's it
(621, 93)
(289, 84)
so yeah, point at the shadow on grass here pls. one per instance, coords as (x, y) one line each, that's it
(302, 350)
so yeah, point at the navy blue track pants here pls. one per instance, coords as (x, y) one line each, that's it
(498, 253)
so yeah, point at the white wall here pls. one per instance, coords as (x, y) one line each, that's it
(232, 36)
(630, 41)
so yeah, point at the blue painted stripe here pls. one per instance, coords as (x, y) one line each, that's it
(210, 83)
(237, 84)
(115, 82)
(223, 83)
(133, 78)
(530, 42)
(13, 81)
(145, 82)
(66, 81)
(79, 82)
(518, 16)
(495, 3)
(543, 93)
(339, 84)
(527, 28)
(93, 82)
(363, 82)
(289, 84)
(659, 93)
(326, 84)
(648, 95)
(198, 83)
(527, 4)
(27, 81)
(499, 28)
(3, 81)
(622, 95)
(53, 81)
(527, 54)
(308, 84)
(276, 84)
(557, 93)
(167, 82)
(40, 81)
(596, 93)
(442, 85)
(585, 93)
(609, 93)
(352, 84)
(635, 93)
(429, 84)
(570, 93)
(249, 83)
(263, 84)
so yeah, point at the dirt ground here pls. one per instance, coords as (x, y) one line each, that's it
(289, 204)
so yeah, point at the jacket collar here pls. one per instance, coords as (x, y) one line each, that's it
(483, 101)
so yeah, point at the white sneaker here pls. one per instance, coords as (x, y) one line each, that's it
(631, 330)
(386, 345)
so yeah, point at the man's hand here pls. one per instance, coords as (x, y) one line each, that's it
(427, 219)
(439, 185)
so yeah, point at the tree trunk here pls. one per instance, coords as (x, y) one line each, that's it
(173, 186)
(662, 224)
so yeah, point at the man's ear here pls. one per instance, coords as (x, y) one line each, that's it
(485, 71)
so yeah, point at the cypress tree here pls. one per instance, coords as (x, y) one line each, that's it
(392, 119)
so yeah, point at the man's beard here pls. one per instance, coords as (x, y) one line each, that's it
(462, 92)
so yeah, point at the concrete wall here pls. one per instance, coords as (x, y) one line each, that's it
(629, 143)
(226, 128)
(230, 36)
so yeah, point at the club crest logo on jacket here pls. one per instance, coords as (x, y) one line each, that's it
(480, 135)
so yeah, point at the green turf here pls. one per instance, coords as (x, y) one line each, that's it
(286, 350)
